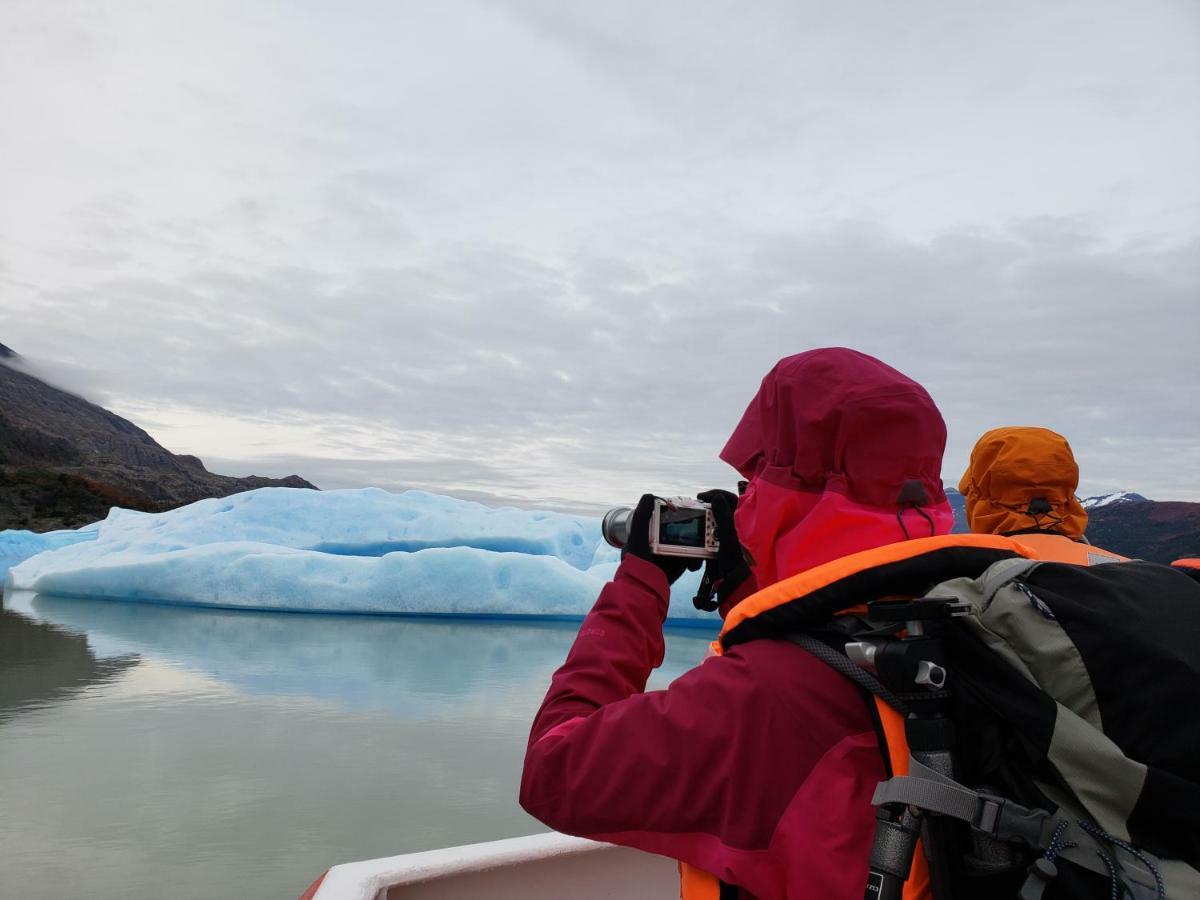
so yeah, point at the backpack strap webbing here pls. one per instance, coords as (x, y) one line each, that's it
(995, 816)
(1005, 820)
(1001, 573)
(842, 664)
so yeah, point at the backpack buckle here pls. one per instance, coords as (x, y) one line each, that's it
(987, 813)
(1008, 821)
(921, 609)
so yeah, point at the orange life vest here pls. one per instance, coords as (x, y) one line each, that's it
(1059, 548)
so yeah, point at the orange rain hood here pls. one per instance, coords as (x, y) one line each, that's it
(1012, 468)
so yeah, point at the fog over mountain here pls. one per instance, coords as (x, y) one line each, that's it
(64, 461)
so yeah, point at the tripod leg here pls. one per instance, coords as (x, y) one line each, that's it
(896, 832)
(938, 834)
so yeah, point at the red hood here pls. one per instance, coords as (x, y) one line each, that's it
(835, 444)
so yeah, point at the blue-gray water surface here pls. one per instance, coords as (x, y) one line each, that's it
(151, 751)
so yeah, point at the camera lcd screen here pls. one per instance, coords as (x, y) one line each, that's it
(682, 527)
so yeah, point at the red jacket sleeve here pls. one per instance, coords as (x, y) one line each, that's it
(618, 645)
(605, 758)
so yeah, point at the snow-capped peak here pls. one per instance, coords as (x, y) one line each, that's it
(1110, 499)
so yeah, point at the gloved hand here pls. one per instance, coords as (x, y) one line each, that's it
(725, 573)
(639, 543)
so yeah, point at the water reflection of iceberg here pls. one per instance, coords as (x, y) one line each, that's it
(412, 667)
(41, 664)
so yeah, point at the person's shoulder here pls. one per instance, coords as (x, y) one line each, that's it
(779, 668)
(773, 682)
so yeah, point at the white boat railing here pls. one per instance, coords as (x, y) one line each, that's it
(537, 867)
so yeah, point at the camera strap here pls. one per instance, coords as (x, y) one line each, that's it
(705, 594)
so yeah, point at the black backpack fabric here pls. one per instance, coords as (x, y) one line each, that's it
(1074, 698)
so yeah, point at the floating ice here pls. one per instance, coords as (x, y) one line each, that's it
(366, 522)
(355, 551)
(18, 546)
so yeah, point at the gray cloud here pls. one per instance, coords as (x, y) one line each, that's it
(544, 254)
(608, 370)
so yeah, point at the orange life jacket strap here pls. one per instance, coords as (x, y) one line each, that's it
(696, 884)
(892, 723)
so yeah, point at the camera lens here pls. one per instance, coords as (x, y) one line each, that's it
(615, 526)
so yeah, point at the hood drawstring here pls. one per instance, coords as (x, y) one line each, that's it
(913, 496)
(1038, 509)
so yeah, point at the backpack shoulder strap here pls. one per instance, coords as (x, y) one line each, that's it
(841, 663)
(999, 574)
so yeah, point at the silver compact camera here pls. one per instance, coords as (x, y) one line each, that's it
(679, 526)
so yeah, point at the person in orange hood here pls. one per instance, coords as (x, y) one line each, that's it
(1021, 483)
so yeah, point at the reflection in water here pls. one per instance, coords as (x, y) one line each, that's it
(42, 663)
(406, 666)
(238, 754)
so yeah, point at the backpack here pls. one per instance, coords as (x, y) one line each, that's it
(1037, 718)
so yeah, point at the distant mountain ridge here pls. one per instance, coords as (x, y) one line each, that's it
(1126, 523)
(1157, 530)
(65, 461)
(958, 503)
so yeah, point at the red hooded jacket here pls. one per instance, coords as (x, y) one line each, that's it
(757, 766)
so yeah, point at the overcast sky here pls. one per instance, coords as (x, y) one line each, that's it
(544, 252)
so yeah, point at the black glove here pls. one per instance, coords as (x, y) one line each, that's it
(639, 543)
(724, 574)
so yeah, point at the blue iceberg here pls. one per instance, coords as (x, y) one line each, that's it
(16, 546)
(350, 551)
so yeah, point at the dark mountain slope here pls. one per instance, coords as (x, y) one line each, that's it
(1160, 531)
(958, 503)
(65, 461)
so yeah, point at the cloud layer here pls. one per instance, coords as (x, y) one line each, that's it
(545, 253)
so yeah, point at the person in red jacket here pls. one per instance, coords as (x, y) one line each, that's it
(757, 766)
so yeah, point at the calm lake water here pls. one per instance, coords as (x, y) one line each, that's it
(150, 751)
